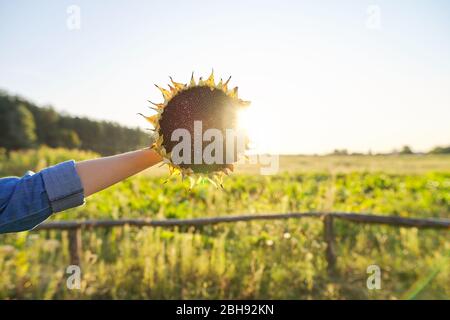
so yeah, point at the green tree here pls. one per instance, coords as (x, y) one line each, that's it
(60, 130)
(18, 128)
(406, 150)
(68, 139)
(440, 150)
(340, 152)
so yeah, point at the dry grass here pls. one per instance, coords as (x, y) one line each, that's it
(395, 164)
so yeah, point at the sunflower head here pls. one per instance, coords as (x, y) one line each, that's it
(209, 105)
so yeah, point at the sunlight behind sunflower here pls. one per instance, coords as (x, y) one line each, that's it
(261, 126)
(250, 122)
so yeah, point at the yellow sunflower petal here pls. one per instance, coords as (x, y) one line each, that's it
(173, 90)
(152, 119)
(225, 85)
(177, 85)
(244, 103)
(233, 93)
(157, 105)
(192, 82)
(210, 81)
(166, 94)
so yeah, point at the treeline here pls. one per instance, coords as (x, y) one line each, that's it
(24, 125)
(405, 150)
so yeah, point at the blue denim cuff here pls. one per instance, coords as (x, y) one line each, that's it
(63, 186)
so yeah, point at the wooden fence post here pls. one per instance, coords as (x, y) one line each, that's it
(329, 239)
(75, 246)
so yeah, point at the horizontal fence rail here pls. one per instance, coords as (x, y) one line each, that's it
(75, 227)
(354, 217)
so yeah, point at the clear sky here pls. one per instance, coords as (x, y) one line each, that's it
(320, 74)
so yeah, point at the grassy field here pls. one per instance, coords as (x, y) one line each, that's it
(254, 260)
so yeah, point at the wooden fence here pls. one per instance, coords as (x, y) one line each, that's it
(75, 227)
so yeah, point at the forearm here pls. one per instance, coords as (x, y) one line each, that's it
(98, 174)
(27, 201)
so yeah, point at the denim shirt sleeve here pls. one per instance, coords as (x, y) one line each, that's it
(27, 201)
